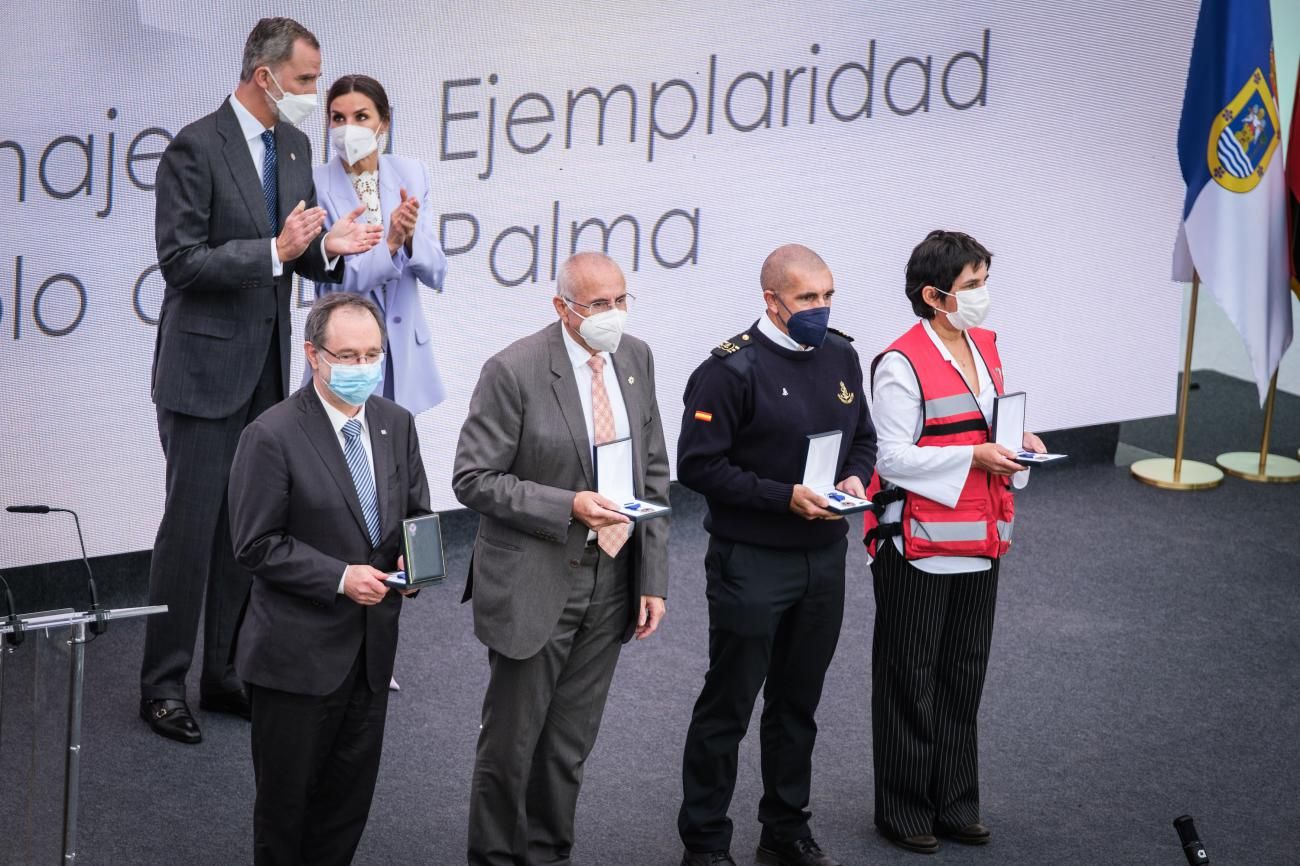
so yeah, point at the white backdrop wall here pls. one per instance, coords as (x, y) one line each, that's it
(1048, 134)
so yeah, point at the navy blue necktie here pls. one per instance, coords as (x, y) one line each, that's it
(270, 184)
(355, 454)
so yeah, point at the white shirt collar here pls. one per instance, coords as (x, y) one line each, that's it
(938, 341)
(768, 329)
(981, 369)
(248, 124)
(578, 356)
(337, 418)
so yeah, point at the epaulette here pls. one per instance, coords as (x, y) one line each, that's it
(841, 333)
(734, 345)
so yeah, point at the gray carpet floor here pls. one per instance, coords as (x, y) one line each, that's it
(1146, 663)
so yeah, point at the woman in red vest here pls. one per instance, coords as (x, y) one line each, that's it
(947, 512)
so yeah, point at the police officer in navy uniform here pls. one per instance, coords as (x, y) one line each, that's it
(775, 561)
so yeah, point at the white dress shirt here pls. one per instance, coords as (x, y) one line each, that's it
(253, 129)
(579, 356)
(936, 472)
(337, 420)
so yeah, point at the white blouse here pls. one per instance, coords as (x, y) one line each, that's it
(367, 186)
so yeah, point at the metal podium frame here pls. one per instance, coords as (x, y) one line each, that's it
(77, 620)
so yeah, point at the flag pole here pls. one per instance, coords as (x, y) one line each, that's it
(1262, 466)
(1180, 474)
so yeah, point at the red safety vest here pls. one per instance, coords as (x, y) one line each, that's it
(980, 523)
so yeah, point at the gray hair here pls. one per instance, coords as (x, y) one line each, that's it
(271, 43)
(574, 270)
(319, 317)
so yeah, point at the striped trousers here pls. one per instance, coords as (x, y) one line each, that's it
(929, 654)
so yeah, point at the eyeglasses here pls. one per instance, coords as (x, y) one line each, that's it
(353, 357)
(595, 308)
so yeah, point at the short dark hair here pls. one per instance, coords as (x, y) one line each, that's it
(271, 43)
(938, 261)
(319, 317)
(366, 86)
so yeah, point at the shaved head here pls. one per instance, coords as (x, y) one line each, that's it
(787, 266)
(583, 275)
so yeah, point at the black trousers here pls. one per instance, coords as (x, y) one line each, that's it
(774, 616)
(541, 716)
(193, 565)
(316, 759)
(929, 655)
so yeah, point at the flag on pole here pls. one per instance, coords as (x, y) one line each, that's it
(1234, 229)
(1293, 188)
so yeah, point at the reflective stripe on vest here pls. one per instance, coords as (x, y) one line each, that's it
(972, 530)
(957, 404)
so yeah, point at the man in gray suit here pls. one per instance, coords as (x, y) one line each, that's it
(318, 491)
(559, 579)
(236, 218)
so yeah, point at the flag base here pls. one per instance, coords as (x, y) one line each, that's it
(1193, 475)
(1245, 464)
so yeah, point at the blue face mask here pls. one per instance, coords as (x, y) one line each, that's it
(354, 383)
(807, 327)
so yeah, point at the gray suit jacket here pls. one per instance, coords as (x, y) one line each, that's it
(220, 302)
(523, 455)
(296, 523)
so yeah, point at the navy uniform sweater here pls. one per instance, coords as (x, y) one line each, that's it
(750, 408)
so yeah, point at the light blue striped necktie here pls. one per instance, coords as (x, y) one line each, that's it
(355, 453)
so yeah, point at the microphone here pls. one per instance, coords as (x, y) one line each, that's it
(1192, 846)
(100, 625)
(16, 636)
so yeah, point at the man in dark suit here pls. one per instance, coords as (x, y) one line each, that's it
(236, 218)
(558, 581)
(318, 491)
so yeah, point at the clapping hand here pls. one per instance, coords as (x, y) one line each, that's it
(348, 237)
(300, 228)
(401, 223)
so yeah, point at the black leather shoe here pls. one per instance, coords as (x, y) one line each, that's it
(801, 852)
(920, 844)
(707, 858)
(971, 834)
(235, 703)
(171, 719)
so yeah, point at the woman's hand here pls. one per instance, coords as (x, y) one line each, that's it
(401, 223)
(994, 459)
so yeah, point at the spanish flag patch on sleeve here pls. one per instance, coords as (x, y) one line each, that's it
(701, 415)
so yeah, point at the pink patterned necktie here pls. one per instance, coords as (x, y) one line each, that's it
(610, 538)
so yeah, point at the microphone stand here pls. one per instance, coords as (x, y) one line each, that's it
(100, 625)
(12, 639)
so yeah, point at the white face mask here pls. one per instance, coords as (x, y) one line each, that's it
(972, 307)
(292, 107)
(354, 143)
(604, 331)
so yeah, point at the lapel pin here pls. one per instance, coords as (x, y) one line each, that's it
(383, 432)
(293, 156)
(631, 380)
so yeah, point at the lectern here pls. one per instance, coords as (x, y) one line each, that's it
(74, 628)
